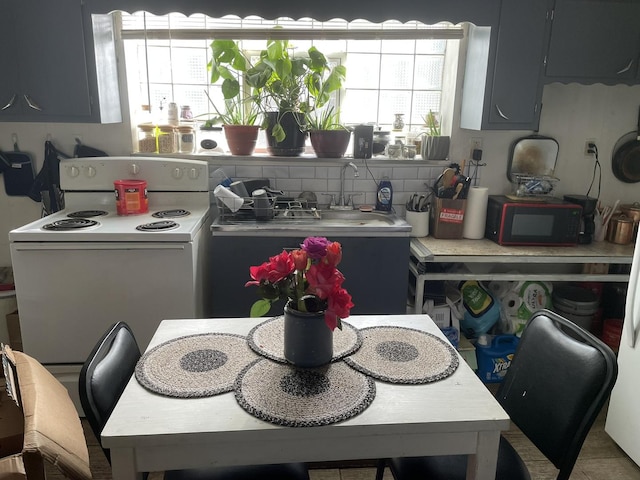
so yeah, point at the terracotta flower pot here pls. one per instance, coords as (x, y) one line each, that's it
(308, 341)
(330, 143)
(241, 138)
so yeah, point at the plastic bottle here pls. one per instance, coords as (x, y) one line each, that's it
(385, 195)
(482, 311)
(172, 114)
(494, 356)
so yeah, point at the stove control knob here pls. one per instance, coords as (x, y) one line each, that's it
(177, 173)
(90, 172)
(134, 169)
(194, 173)
(73, 171)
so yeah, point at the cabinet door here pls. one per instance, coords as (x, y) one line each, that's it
(51, 58)
(9, 103)
(517, 88)
(503, 74)
(594, 39)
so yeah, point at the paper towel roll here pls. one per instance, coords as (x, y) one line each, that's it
(475, 214)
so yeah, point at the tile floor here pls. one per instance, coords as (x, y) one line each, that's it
(600, 459)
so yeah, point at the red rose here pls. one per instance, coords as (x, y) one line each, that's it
(334, 254)
(279, 267)
(323, 279)
(300, 260)
(339, 302)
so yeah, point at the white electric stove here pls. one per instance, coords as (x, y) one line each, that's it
(81, 269)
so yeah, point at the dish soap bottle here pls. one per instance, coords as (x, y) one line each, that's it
(385, 195)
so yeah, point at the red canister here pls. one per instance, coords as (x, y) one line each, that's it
(131, 197)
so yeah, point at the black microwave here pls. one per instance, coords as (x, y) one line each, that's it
(549, 222)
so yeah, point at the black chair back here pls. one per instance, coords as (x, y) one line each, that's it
(105, 374)
(556, 385)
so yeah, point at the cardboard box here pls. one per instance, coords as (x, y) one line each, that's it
(38, 423)
(13, 327)
(447, 216)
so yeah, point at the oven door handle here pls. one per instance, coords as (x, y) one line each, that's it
(97, 247)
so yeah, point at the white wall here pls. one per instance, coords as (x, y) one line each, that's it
(571, 114)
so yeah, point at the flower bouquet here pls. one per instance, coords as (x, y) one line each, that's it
(308, 278)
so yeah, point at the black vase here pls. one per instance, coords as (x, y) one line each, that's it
(308, 341)
(293, 124)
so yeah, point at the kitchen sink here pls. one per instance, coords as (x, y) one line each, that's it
(318, 222)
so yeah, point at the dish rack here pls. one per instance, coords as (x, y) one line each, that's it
(534, 185)
(280, 209)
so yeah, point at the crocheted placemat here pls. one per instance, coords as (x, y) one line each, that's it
(303, 397)
(267, 339)
(403, 355)
(195, 365)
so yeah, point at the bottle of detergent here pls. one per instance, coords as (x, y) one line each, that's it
(482, 311)
(385, 195)
(494, 356)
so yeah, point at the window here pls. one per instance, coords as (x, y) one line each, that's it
(391, 67)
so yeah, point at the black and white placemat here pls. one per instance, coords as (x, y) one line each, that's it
(403, 355)
(195, 365)
(267, 339)
(303, 397)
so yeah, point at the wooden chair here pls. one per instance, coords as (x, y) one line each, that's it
(103, 378)
(557, 383)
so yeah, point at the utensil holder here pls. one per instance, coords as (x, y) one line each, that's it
(419, 222)
(447, 217)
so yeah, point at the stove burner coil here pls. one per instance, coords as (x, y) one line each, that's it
(178, 212)
(157, 226)
(70, 224)
(87, 214)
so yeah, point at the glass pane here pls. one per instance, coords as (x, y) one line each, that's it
(190, 65)
(396, 71)
(363, 70)
(428, 74)
(392, 102)
(398, 46)
(192, 95)
(364, 46)
(160, 64)
(422, 103)
(433, 46)
(360, 106)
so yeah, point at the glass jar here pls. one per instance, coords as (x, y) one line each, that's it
(147, 138)
(186, 138)
(185, 113)
(167, 139)
(398, 122)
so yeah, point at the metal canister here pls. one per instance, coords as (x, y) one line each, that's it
(632, 210)
(620, 230)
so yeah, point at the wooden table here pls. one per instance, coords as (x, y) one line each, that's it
(457, 415)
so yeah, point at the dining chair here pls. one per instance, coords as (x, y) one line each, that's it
(104, 377)
(556, 385)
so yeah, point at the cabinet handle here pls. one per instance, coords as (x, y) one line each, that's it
(33, 105)
(500, 113)
(627, 68)
(11, 102)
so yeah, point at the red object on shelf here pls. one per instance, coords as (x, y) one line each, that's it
(7, 286)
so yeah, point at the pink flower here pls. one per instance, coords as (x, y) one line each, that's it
(323, 279)
(334, 254)
(300, 260)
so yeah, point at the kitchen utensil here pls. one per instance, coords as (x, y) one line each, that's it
(533, 155)
(458, 190)
(626, 157)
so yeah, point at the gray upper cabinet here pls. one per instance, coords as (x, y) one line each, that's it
(46, 75)
(594, 41)
(502, 87)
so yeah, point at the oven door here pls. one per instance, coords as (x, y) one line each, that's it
(69, 293)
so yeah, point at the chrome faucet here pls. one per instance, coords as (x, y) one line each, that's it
(342, 204)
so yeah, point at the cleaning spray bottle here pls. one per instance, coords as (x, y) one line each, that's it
(385, 195)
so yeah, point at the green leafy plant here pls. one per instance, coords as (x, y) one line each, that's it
(278, 81)
(326, 119)
(237, 111)
(432, 123)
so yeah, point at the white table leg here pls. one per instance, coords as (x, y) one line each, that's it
(123, 464)
(482, 465)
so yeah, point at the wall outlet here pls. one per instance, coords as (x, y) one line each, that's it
(474, 144)
(588, 151)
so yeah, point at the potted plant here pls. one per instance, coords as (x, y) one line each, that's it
(435, 146)
(310, 282)
(328, 136)
(241, 109)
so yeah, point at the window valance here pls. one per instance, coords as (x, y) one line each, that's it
(478, 12)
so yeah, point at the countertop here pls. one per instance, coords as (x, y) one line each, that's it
(427, 249)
